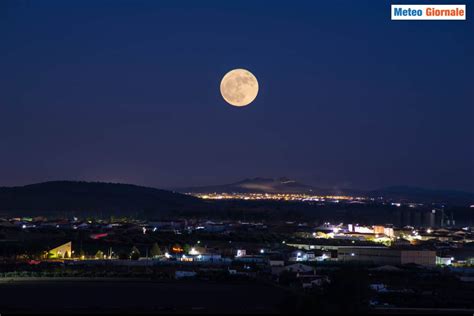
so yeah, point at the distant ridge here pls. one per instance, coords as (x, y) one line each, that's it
(415, 194)
(268, 185)
(254, 185)
(285, 185)
(101, 198)
(70, 196)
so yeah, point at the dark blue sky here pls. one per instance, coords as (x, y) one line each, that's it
(128, 91)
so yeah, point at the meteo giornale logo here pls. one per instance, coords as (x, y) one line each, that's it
(428, 12)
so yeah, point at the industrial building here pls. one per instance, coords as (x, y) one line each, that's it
(386, 256)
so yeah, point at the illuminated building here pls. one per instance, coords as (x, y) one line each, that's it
(60, 252)
(177, 249)
(379, 229)
(241, 252)
(446, 261)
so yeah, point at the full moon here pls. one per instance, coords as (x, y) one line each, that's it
(239, 87)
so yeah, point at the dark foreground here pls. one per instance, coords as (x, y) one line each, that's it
(132, 296)
(65, 297)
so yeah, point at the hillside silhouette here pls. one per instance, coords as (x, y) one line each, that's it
(72, 196)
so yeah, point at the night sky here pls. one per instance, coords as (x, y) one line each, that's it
(128, 91)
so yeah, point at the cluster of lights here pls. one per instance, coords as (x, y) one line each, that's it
(276, 196)
(194, 252)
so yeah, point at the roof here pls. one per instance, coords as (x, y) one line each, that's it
(386, 268)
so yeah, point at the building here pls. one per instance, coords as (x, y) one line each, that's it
(421, 257)
(386, 256)
(430, 219)
(252, 259)
(300, 268)
(60, 252)
(360, 229)
(383, 230)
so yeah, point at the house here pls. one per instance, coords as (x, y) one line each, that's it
(297, 268)
(300, 268)
(379, 287)
(386, 268)
(241, 253)
(252, 259)
(317, 255)
(312, 281)
(299, 255)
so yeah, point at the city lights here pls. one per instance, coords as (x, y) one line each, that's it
(277, 196)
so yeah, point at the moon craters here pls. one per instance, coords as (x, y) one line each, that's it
(239, 87)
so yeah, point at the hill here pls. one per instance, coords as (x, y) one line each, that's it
(420, 195)
(71, 196)
(254, 185)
